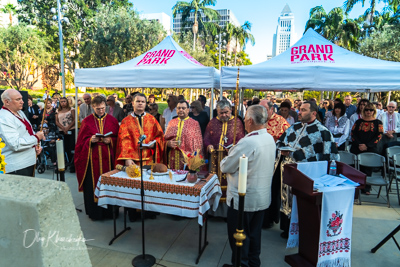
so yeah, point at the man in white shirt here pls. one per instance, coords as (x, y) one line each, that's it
(17, 133)
(259, 147)
(170, 112)
(391, 125)
(46, 93)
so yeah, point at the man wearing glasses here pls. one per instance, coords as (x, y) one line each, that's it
(85, 109)
(391, 124)
(273, 100)
(183, 135)
(350, 109)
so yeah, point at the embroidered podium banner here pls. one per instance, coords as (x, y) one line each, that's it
(336, 227)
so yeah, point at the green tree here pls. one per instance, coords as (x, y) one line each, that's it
(79, 13)
(9, 9)
(384, 44)
(349, 4)
(118, 35)
(23, 53)
(334, 27)
(197, 7)
(242, 35)
(186, 42)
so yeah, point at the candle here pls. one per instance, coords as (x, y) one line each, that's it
(243, 162)
(60, 154)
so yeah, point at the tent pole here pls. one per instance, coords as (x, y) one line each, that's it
(191, 94)
(241, 101)
(76, 114)
(388, 100)
(212, 103)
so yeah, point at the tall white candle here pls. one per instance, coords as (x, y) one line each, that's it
(243, 162)
(60, 154)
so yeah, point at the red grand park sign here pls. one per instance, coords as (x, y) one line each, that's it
(161, 58)
(312, 53)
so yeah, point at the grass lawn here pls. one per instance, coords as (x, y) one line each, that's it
(161, 107)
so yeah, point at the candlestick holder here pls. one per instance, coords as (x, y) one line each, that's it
(239, 235)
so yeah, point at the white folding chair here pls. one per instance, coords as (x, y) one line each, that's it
(350, 159)
(374, 160)
(396, 165)
(390, 151)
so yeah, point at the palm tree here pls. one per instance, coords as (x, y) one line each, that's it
(198, 7)
(349, 4)
(242, 35)
(9, 9)
(333, 26)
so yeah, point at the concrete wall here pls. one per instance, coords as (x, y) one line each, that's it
(38, 224)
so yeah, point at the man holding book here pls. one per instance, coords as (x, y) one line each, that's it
(95, 155)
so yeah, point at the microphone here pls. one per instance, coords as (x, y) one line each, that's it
(142, 138)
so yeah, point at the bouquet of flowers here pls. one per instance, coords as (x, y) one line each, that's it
(2, 162)
(194, 160)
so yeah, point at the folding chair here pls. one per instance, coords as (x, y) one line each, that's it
(390, 151)
(373, 160)
(350, 159)
(396, 166)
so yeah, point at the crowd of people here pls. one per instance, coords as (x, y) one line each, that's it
(109, 132)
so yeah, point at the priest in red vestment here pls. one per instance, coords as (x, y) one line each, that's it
(183, 135)
(135, 125)
(276, 124)
(95, 155)
(218, 135)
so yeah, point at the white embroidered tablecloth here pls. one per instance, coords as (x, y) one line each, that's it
(161, 194)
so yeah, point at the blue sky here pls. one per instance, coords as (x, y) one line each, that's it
(263, 14)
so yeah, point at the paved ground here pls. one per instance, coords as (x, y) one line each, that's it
(174, 243)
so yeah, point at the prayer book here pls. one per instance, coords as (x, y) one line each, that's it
(104, 135)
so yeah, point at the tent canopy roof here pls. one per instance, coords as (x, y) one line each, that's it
(166, 65)
(314, 63)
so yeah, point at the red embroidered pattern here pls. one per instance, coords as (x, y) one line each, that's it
(335, 246)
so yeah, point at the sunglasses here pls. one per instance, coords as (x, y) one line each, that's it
(369, 109)
(325, 103)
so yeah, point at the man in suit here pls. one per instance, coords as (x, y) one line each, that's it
(86, 108)
(259, 146)
(115, 110)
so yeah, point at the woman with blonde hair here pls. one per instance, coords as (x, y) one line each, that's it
(366, 134)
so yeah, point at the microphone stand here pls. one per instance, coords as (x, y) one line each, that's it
(144, 260)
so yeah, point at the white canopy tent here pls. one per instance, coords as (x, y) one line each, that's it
(166, 65)
(314, 63)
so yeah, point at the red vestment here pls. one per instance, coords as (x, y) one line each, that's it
(276, 126)
(190, 137)
(128, 138)
(101, 156)
(221, 133)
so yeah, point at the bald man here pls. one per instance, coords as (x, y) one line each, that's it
(86, 108)
(17, 133)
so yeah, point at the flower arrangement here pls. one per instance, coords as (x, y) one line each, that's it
(2, 159)
(194, 160)
(335, 224)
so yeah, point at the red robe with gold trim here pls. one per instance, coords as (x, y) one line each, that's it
(214, 135)
(191, 140)
(101, 156)
(128, 138)
(276, 126)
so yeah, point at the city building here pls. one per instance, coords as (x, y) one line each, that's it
(226, 15)
(5, 17)
(285, 35)
(163, 18)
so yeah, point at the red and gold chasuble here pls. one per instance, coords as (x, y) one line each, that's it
(220, 134)
(128, 139)
(276, 126)
(189, 133)
(99, 157)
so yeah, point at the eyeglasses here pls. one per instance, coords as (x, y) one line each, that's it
(368, 109)
(325, 103)
(391, 107)
(181, 108)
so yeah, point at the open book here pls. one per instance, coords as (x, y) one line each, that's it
(99, 135)
(149, 144)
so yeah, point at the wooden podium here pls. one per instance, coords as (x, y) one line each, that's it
(309, 210)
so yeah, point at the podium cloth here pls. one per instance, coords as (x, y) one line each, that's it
(336, 222)
(161, 194)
